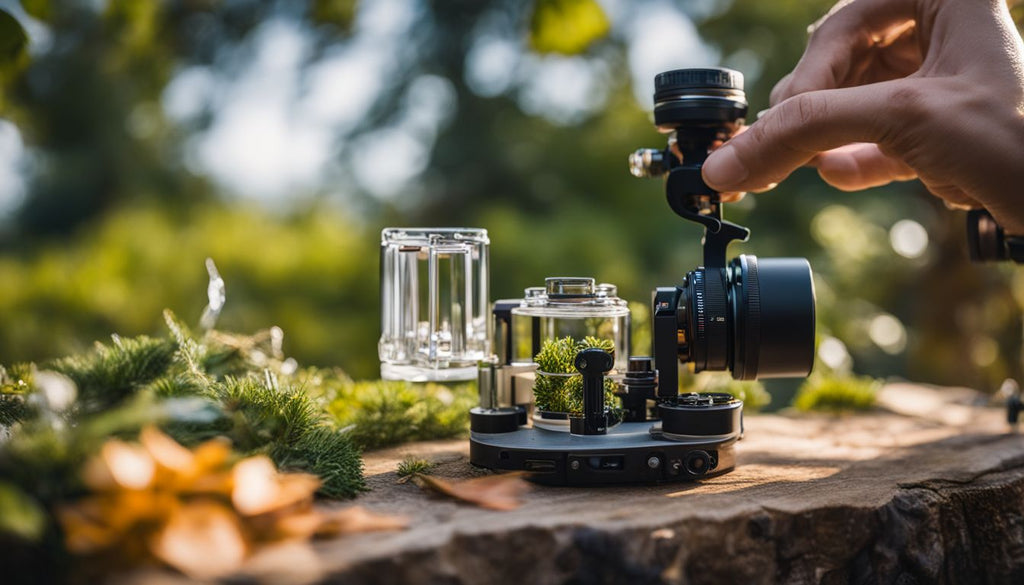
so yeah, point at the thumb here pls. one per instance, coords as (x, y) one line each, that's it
(793, 132)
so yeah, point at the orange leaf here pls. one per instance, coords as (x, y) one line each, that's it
(358, 519)
(496, 492)
(165, 450)
(203, 540)
(119, 464)
(259, 488)
(84, 532)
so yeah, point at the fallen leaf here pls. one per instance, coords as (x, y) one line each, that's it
(84, 532)
(259, 488)
(165, 450)
(297, 525)
(119, 464)
(358, 519)
(496, 492)
(212, 454)
(203, 540)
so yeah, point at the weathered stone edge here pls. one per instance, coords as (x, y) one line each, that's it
(934, 532)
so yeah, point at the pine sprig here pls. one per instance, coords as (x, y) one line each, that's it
(328, 453)
(257, 412)
(113, 372)
(15, 384)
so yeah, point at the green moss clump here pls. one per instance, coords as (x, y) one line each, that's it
(411, 466)
(383, 413)
(565, 393)
(831, 392)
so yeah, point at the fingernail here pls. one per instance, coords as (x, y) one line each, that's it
(723, 169)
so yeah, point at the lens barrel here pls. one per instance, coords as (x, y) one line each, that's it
(712, 96)
(754, 318)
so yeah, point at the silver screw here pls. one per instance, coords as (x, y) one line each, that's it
(574, 465)
(654, 462)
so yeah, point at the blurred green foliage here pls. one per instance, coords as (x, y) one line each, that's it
(312, 273)
(831, 392)
(20, 515)
(753, 394)
(385, 413)
(566, 26)
(116, 219)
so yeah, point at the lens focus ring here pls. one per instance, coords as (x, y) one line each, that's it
(708, 319)
(746, 301)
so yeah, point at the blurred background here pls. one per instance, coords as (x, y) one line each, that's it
(278, 137)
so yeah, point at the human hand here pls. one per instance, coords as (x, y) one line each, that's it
(896, 89)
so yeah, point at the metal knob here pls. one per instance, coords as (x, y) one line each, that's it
(647, 162)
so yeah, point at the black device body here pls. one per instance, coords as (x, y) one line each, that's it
(751, 316)
(987, 242)
(695, 437)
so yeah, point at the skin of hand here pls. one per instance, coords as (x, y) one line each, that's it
(891, 90)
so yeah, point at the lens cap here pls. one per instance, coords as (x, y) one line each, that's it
(698, 98)
(673, 82)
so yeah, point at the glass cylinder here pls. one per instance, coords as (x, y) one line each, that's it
(574, 307)
(556, 321)
(434, 303)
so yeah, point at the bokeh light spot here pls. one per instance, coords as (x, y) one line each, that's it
(908, 238)
(888, 333)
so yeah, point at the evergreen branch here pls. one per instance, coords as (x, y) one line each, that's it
(113, 372)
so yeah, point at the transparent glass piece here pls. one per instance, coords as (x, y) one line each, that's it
(434, 303)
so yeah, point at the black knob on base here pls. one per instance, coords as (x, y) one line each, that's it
(593, 364)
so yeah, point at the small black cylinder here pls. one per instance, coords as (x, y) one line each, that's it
(638, 387)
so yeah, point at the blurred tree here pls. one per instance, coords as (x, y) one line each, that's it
(535, 114)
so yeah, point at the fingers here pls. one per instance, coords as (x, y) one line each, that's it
(839, 40)
(859, 166)
(954, 197)
(793, 132)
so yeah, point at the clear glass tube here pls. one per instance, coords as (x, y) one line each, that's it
(553, 323)
(434, 303)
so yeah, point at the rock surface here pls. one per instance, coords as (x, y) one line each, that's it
(929, 488)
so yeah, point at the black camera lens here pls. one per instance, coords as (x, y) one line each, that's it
(712, 96)
(754, 318)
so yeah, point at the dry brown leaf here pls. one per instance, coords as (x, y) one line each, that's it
(259, 488)
(119, 464)
(296, 525)
(496, 492)
(203, 540)
(165, 450)
(358, 519)
(84, 532)
(212, 455)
